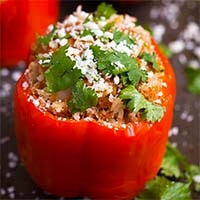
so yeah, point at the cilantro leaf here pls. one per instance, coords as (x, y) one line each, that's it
(195, 172)
(115, 63)
(193, 80)
(86, 32)
(162, 189)
(136, 74)
(46, 38)
(165, 50)
(170, 164)
(150, 58)
(104, 10)
(61, 75)
(83, 98)
(136, 102)
(147, 28)
(107, 61)
(119, 36)
(108, 26)
(174, 159)
(153, 112)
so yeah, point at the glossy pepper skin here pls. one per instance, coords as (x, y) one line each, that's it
(82, 158)
(19, 21)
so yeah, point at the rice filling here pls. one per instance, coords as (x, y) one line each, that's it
(97, 66)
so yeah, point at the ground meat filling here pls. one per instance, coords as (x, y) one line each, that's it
(105, 60)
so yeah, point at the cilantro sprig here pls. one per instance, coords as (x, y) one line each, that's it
(165, 50)
(83, 98)
(175, 179)
(150, 58)
(174, 162)
(61, 75)
(44, 40)
(162, 189)
(193, 80)
(136, 102)
(119, 36)
(104, 10)
(86, 32)
(118, 63)
(108, 26)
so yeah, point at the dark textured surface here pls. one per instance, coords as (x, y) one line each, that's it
(15, 183)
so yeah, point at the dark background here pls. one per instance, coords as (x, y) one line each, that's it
(174, 16)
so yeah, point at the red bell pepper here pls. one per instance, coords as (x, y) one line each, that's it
(82, 158)
(19, 21)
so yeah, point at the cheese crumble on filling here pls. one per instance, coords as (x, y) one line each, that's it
(97, 66)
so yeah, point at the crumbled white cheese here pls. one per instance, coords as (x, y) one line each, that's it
(108, 35)
(120, 47)
(53, 44)
(111, 98)
(71, 19)
(63, 42)
(87, 38)
(91, 25)
(71, 52)
(160, 94)
(76, 116)
(101, 86)
(116, 80)
(118, 64)
(50, 28)
(61, 33)
(98, 33)
(150, 74)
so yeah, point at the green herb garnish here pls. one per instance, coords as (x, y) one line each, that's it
(176, 165)
(135, 75)
(165, 50)
(61, 75)
(162, 189)
(193, 80)
(44, 40)
(117, 63)
(104, 10)
(86, 32)
(174, 180)
(83, 98)
(150, 58)
(119, 36)
(108, 26)
(136, 102)
(170, 164)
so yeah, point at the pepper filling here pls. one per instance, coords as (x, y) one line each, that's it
(97, 66)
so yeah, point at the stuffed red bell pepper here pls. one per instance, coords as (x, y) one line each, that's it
(94, 107)
(19, 20)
